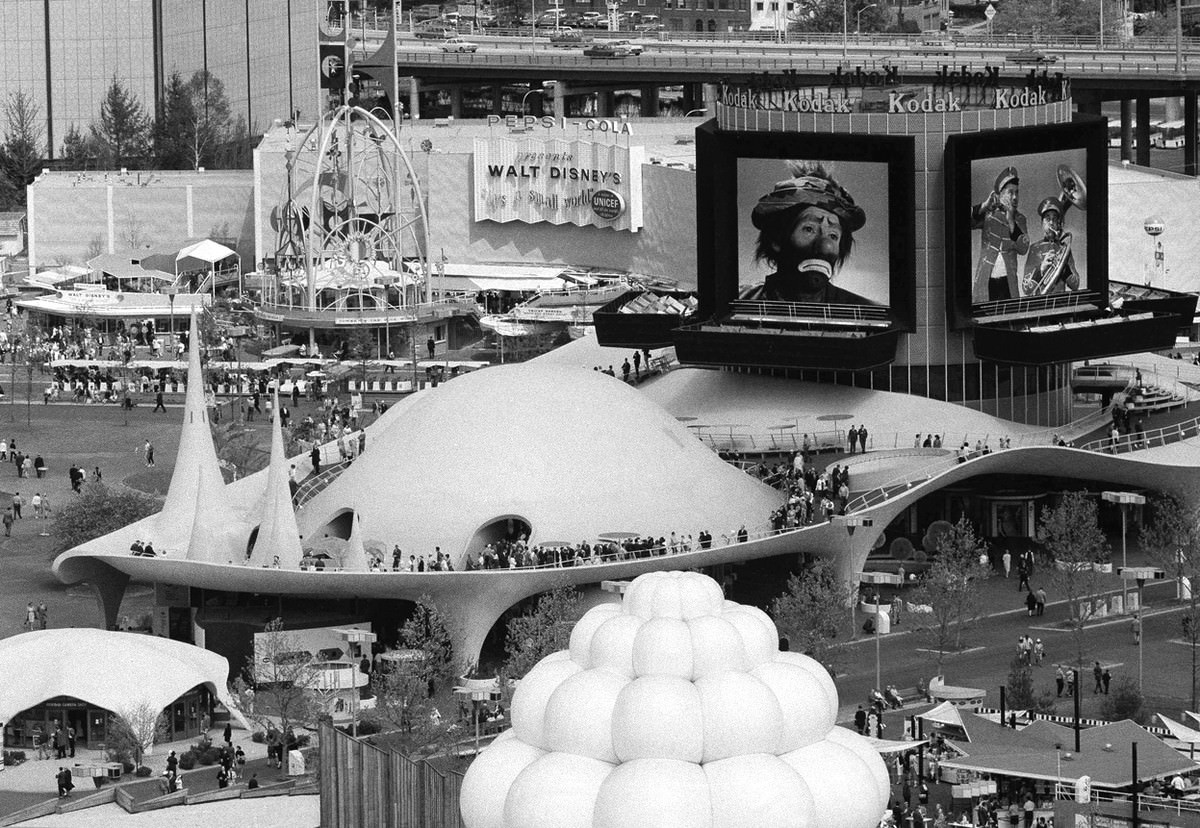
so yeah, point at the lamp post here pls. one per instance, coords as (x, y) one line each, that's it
(850, 523)
(355, 639)
(526, 97)
(170, 293)
(858, 17)
(845, 26)
(1125, 500)
(692, 112)
(1139, 575)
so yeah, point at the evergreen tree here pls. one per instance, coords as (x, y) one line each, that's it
(80, 150)
(22, 151)
(171, 131)
(123, 132)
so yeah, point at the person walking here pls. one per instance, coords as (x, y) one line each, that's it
(7, 519)
(1007, 560)
(158, 402)
(1060, 681)
(148, 450)
(1041, 601)
(1030, 603)
(1098, 675)
(17, 503)
(1135, 626)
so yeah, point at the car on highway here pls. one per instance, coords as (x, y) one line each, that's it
(458, 44)
(438, 32)
(566, 38)
(592, 20)
(934, 46)
(1031, 56)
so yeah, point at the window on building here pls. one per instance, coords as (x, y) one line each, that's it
(712, 24)
(758, 6)
(723, 5)
(699, 24)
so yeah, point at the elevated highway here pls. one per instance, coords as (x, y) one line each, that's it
(1132, 76)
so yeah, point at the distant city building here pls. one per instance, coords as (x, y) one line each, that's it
(64, 54)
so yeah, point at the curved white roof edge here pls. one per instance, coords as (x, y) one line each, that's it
(117, 671)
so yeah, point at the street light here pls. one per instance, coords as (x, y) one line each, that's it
(171, 291)
(355, 639)
(850, 523)
(1140, 574)
(858, 17)
(526, 96)
(692, 112)
(1125, 500)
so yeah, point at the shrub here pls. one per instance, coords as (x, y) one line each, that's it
(258, 737)
(187, 759)
(901, 549)
(934, 534)
(144, 771)
(127, 766)
(920, 557)
(366, 727)
(209, 756)
(302, 741)
(14, 757)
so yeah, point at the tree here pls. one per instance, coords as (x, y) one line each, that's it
(1061, 17)
(1071, 535)
(80, 150)
(406, 691)
(23, 148)
(132, 731)
(1020, 685)
(278, 683)
(98, 511)
(951, 587)
(361, 348)
(172, 149)
(811, 611)
(544, 628)
(123, 133)
(1124, 702)
(210, 125)
(1172, 538)
(832, 15)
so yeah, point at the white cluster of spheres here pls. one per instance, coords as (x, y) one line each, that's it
(675, 709)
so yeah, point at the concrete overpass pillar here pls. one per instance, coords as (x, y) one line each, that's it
(688, 101)
(497, 99)
(649, 101)
(1174, 109)
(414, 98)
(1126, 130)
(456, 102)
(605, 103)
(1143, 131)
(710, 98)
(560, 99)
(1189, 134)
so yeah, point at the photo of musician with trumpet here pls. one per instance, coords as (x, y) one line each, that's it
(1004, 237)
(1007, 263)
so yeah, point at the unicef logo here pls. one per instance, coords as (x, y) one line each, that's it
(607, 205)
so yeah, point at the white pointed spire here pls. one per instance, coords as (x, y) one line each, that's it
(214, 537)
(196, 482)
(278, 534)
(354, 559)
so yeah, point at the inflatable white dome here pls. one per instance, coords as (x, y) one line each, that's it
(675, 708)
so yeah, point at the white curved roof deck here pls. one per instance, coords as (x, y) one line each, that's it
(573, 454)
(112, 670)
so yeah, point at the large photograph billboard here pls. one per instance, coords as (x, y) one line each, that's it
(813, 231)
(822, 222)
(1026, 212)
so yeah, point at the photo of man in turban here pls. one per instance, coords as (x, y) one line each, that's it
(806, 226)
(1004, 236)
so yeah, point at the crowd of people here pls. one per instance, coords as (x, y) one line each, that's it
(810, 496)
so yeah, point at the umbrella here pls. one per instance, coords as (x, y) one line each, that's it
(316, 374)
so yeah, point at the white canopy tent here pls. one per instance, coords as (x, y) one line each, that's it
(212, 256)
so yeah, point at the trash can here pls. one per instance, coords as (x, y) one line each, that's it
(883, 622)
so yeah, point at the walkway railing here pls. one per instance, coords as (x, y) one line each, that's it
(1149, 439)
(1146, 802)
(312, 486)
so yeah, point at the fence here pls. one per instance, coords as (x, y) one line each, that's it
(363, 786)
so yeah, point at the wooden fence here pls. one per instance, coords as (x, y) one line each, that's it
(363, 786)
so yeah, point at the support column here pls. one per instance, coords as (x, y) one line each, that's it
(1189, 134)
(710, 98)
(497, 99)
(605, 103)
(649, 101)
(1142, 129)
(456, 102)
(414, 98)
(1126, 129)
(691, 93)
(560, 99)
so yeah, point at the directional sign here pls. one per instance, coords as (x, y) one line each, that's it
(989, 12)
